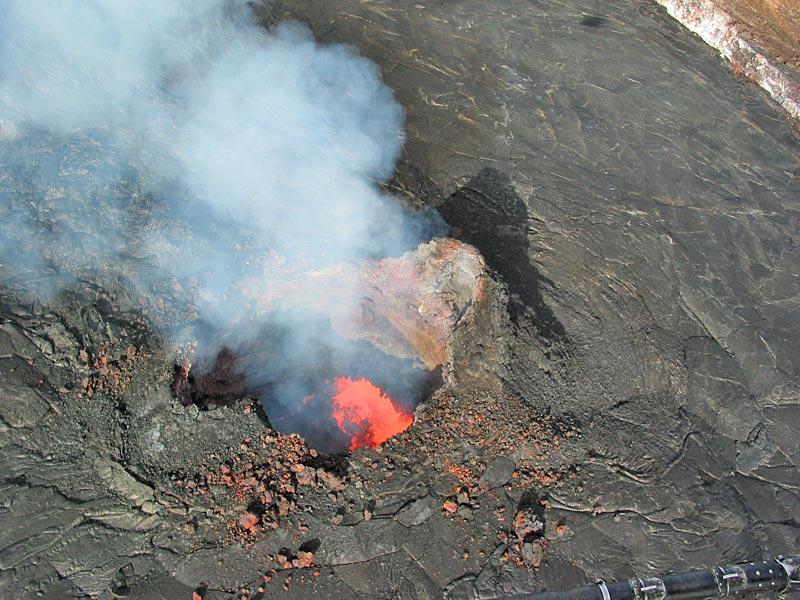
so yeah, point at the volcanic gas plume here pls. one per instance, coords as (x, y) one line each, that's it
(209, 135)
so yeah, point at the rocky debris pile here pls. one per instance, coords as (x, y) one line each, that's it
(460, 503)
(524, 537)
(528, 544)
(515, 439)
(106, 372)
(258, 483)
(302, 559)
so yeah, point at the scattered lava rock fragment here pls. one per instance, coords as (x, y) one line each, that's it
(256, 486)
(302, 559)
(528, 525)
(249, 520)
(108, 372)
(331, 481)
(527, 545)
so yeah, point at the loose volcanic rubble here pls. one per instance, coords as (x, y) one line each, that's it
(273, 482)
(107, 373)
(517, 450)
(258, 484)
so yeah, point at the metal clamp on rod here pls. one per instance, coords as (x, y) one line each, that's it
(792, 567)
(778, 575)
(652, 588)
(604, 589)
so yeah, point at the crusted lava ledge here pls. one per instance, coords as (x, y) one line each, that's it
(407, 306)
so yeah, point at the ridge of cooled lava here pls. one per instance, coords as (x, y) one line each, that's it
(408, 306)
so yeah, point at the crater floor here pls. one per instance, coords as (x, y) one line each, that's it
(635, 409)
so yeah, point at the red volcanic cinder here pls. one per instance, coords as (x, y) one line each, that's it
(365, 413)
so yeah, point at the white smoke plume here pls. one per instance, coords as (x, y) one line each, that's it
(231, 126)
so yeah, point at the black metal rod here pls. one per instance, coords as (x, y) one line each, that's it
(778, 575)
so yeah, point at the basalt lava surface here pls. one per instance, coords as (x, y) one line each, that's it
(621, 399)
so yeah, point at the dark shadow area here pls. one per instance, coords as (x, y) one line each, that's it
(592, 21)
(488, 213)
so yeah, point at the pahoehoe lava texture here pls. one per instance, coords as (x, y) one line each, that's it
(648, 208)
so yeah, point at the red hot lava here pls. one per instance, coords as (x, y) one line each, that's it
(366, 414)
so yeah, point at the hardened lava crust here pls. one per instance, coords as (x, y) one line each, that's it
(621, 399)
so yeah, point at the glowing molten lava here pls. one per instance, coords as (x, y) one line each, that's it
(366, 414)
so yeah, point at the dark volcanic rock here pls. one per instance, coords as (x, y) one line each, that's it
(418, 511)
(640, 207)
(498, 472)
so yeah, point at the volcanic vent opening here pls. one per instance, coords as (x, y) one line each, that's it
(342, 355)
(338, 394)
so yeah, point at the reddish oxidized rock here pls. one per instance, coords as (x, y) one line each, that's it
(249, 521)
(407, 306)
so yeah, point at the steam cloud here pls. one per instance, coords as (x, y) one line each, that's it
(239, 132)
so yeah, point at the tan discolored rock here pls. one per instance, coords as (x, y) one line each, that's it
(407, 306)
